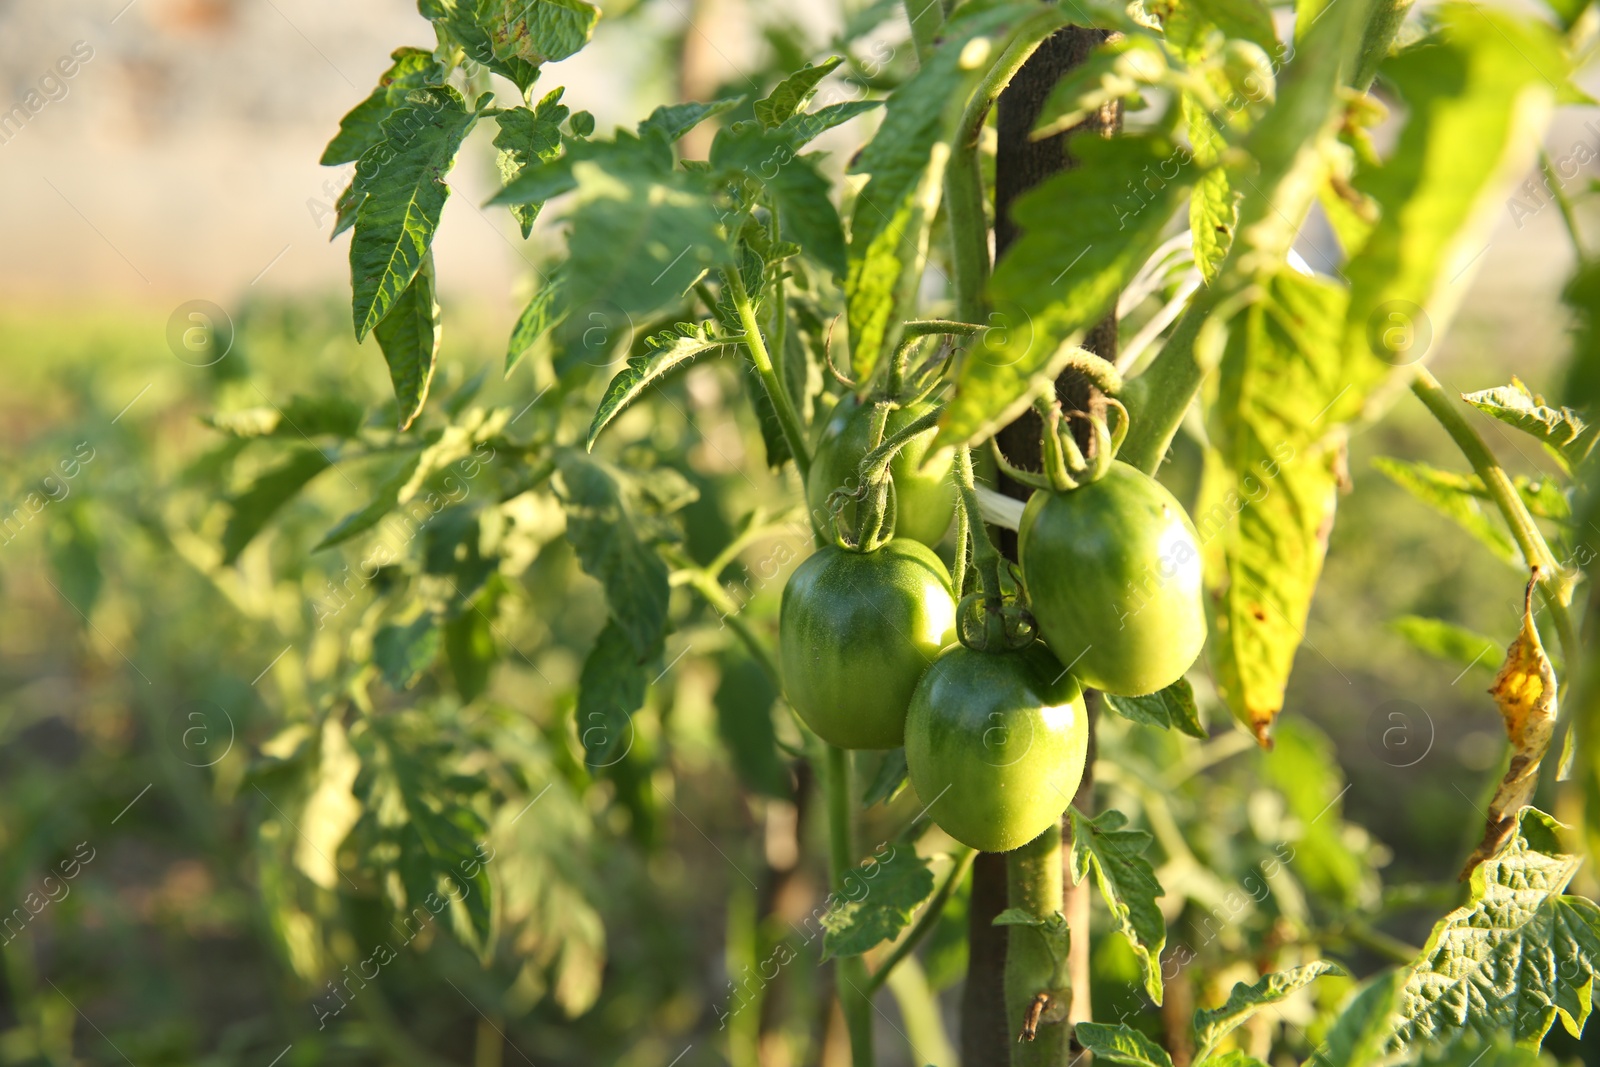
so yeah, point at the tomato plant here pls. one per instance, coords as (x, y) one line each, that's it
(828, 464)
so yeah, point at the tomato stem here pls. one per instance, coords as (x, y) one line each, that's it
(1034, 885)
(850, 972)
(788, 418)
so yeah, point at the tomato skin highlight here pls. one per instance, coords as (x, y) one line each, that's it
(925, 499)
(856, 631)
(995, 743)
(1112, 570)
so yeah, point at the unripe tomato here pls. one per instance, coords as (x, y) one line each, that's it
(1112, 570)
(855, 632)
(995, 743)
(925, 499)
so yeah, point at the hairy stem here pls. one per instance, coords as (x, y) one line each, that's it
(788, 418)
(850, 972)
(1552, 584)
(1034, 885)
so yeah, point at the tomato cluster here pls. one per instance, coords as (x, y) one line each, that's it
(995, 737)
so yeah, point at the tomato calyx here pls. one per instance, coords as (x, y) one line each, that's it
(874, 492)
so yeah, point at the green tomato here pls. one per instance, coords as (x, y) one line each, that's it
(1112, 571)
(925, 497)
(995, 743)
(856, 631)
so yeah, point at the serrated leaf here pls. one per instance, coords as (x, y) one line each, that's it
(1452, 496)
(802, 195)
(1084, 236)
(527, 135)
(1562, 430)
(662, 353)
(1514, 958)
(1120, 1044)
(431, 833)
(792, 94)
(410, 335)
(253, 508)
(601, 530)
(1270, 485)
(403, 653)
(889, 781)
(610, 689)
(906, 160)
(1361, 1030)
(1446, 640)
(400, 182)
(1127, 882)
(1172, 707)
(675, 120)
(1478, 98)
(514, 37)
(744, 701)
(800, 130)
(876, 901)
(545, 311)
(362, 126)
(1211, 1026)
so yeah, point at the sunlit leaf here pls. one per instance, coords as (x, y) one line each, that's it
(410, 335)
(1451, 495)
(876, 901)
(1120, 1045)
(1212, 1025)
(1170, 708)
(1446, 640)
(792, 94)
(527, 135)
(1565, 432)
(1127, 882)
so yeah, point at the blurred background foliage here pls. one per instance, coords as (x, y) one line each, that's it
(269, 753)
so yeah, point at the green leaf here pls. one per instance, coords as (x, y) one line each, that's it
(800, 130)
(254, 507)
(889, 781)
(803, 196)
(1213, 216)
(385, 500)
(401, 190)
(1127, 882)
(469, 643)
(1270, 485)
(675, 120)
(1116, 70)
(1211, 1026)
(1232, 1058)
(410, 335)
(639, 241)
(403, 653)
(362, 127)
(433, 837)
(301, 417)
(1514, 958)
(1477, 100)
(876, 901)
(1361, 1030)
(1447, 641)
(1120, 1044)
(1085, 233)
(545, 311)
(744, 703)
(514, 37)
(331, 811)
(1172, 707)
(1474, 1053)
(794, 92)
(1451, 495)
(662, 353)
(1561, 430)
(905, 160)
(1188, 23)
(1304, 767)
(610, 689)
(527, 135)
(600, 526)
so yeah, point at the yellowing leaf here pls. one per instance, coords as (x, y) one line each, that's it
(1525, 692)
